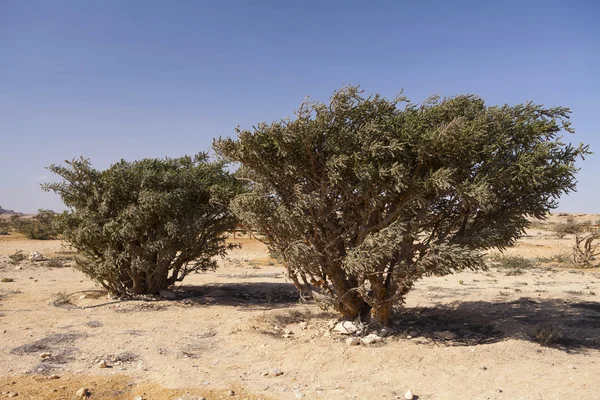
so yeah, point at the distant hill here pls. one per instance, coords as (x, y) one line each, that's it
(10, 212)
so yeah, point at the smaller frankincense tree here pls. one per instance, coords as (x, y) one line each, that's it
(43, 226)
(142, 226)
(362, 197)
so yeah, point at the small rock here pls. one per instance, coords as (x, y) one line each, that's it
(571, 367)
(140, 398)
(18, 268)
(231, 393)
(44, 356)
(82, 393)
(12, 394)
(35, 256)
(275, 372)
(353, 341)
(103, 364)
(371, 338)
(409, 395)
(54, 376)
(82, 297)
(445, 335)
(346, 328)
(167, 294)
(413, 333)
(299, 395)
(483, 368)
(386, 331)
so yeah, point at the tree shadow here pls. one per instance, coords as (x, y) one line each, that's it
(569, 326)
(251, 295)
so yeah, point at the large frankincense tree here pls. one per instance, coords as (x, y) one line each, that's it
(142, 226)
(363, 196)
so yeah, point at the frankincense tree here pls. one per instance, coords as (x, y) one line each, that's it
(142, 226)
(363, 196)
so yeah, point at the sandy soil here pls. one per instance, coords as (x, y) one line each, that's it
(467, 336)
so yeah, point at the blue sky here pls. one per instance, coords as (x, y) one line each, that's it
(134, 79)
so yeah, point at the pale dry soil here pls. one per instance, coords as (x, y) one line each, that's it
(463, 336)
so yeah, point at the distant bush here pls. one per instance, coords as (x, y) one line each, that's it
(514, 264)
(561, 258)
(562, 229)
(142, 226)
(17, 257)
(55, 263)
(538, 225)
(41, 227)
(4, 227)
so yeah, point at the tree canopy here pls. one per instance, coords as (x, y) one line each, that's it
(363, 196)
(142, 226)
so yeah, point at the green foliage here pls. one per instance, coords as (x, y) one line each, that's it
(17, 257)
(363, 196)
(142, 226)
(41, 227)
(513, 263)
(4, 226)
(55, 263)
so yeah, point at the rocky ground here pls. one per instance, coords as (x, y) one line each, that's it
(243, 333)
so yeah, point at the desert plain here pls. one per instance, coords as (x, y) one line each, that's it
(529, 331)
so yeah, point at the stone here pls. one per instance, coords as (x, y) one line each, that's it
(167, 294)
(386, 331)
(353, 341)
(82, 393)
(139, 398)
(231, 393)
(445, 335)
(12, 394)
(82, 297)
(346, 328)
(54, 376)
(371, 338)
(275, 372)
(46, 355)
(299, 395)
(103, 364)
(35, 256)
(413, 333)
(409, 395)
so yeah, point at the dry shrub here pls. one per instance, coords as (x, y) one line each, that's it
(548, 334)
(586, 249)
(17, 257)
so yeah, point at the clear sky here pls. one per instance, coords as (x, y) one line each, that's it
(112, 79)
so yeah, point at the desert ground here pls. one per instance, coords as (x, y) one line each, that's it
(242, 332)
